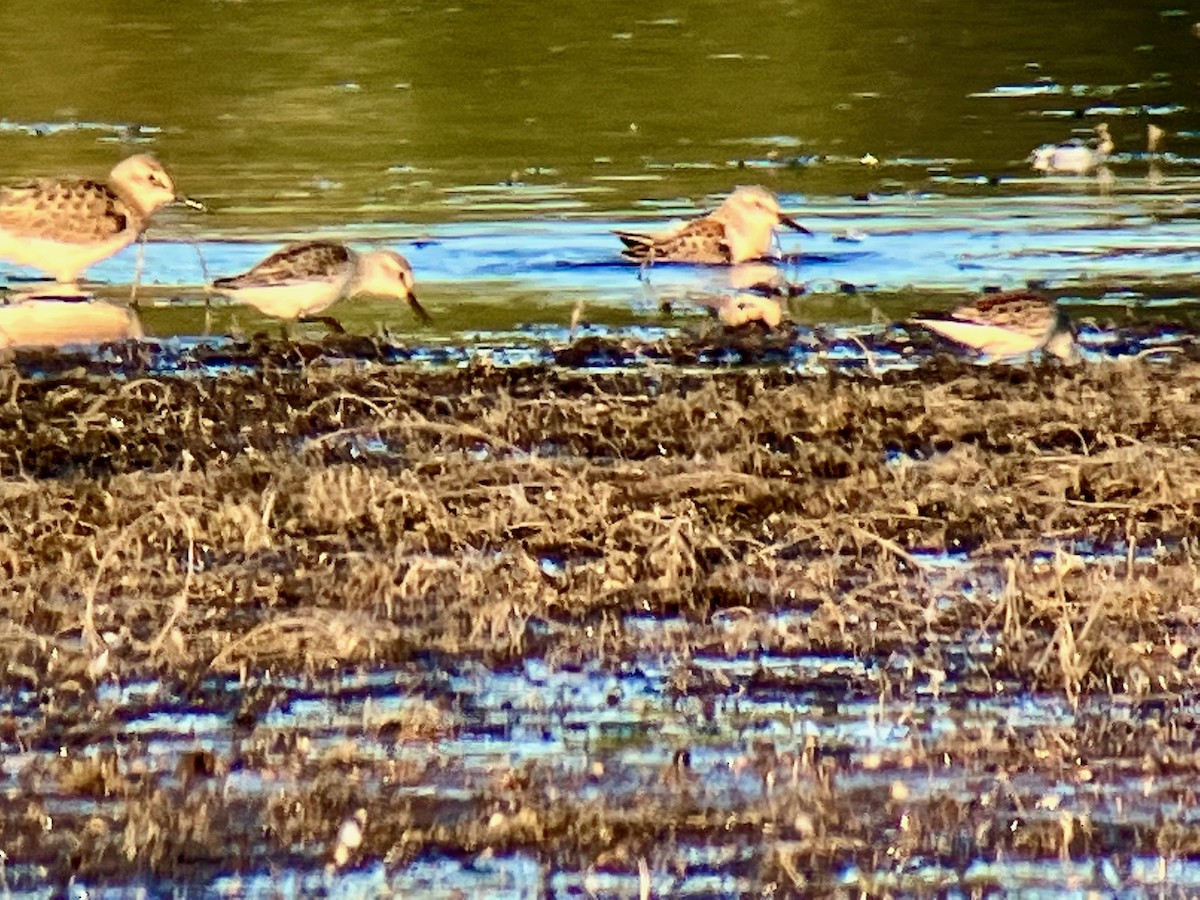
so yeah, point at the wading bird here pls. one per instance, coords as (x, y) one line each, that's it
(1007, 325)
(302, 280)
(63, 226)
(1075, 156)
(739, 230)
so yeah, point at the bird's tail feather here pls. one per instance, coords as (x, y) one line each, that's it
(637, 246)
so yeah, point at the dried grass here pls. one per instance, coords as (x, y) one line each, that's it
(296, 522)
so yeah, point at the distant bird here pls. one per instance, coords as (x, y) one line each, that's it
(1074, 157)
(63, 226)
(1005, 325)
(739, 230)
(349, 839)
(765, 278)
(1154, 139)
(757, 289)
(302, 280)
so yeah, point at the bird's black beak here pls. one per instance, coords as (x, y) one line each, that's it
(791, 223)
(189, 202)
(417, 308)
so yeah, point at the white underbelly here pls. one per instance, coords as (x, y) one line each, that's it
(991, 340)
(290, 301)
(65, 260)
(1075, 160)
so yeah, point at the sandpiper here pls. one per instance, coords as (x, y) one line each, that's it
(1006, 325)
(1074, 157)
(739, 230)
(63, 226)
(302, 280)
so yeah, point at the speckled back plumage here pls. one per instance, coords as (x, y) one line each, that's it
(1011, 323)
(304, 262)
(75, 210)
(701, 240)
(1025, 311)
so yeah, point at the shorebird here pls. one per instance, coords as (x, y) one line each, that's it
(1075, 156)
(63, 226)
(1005, 325)
(739, 230)
(302, 280)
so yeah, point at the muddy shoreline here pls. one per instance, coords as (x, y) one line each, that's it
(697, 580)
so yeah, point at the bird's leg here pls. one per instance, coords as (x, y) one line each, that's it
(663, 304)
(207, 287)
(328, 321)
(137, 270)
(234, 330)
(203, 264)
(576, 317)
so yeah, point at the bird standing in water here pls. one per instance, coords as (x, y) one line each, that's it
(302, 280)
(1074, 157)
(62, 226)
(739, 230)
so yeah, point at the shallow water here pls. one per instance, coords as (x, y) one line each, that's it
(1116, 256)
(610, 736)
(416, 112)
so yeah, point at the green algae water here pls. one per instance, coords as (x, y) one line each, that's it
(288, 114)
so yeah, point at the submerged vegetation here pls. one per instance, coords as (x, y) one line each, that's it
(745, 544)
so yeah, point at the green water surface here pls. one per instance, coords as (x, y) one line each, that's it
(287, 112)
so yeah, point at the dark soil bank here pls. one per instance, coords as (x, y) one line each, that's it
(708, 632)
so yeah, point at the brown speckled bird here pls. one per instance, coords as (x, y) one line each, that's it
(302, 280)
(739, 230)
(1009, 324)
(63, 226)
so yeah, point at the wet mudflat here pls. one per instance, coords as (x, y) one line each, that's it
(580, 626)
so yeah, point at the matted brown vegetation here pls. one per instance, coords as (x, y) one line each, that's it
(318, 520)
